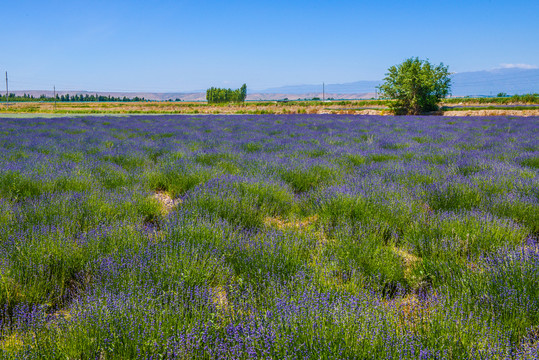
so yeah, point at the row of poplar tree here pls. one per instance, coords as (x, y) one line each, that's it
(217, 95)
(67, 97)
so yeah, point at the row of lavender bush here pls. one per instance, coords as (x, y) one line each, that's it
(294, 236)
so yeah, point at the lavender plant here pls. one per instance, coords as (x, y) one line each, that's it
(269, 236)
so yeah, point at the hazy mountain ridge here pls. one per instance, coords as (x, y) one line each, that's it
(485, 83)
(196, 96)
(491, 82)
(345, 88)
(156, 96)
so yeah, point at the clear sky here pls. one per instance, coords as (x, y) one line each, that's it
(184, 45)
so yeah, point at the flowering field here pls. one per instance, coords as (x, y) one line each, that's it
(270, 236)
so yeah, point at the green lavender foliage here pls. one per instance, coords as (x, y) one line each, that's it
(305, 236)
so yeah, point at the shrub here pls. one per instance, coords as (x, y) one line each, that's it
(416, 85)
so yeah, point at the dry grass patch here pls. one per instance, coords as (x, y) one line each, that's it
(13, 343)
(219, 298)
(304, 224)
(409, 260)
(411, 313)
(290, 224)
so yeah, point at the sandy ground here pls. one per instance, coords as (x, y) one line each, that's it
(492, 113)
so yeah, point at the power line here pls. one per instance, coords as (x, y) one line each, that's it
(7, 93)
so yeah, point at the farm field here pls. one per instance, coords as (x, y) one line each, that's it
(269, 236)
(450, 107)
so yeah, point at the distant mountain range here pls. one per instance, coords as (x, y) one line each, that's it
(488, 82)
(491, 82)
(357, 87)
(476, 83)
(195, 96)
(156, 96)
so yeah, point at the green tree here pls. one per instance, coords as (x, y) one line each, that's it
(243, 92)
(218, 95)
(416, 85)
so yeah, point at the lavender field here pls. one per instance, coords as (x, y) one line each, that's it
(269, 236)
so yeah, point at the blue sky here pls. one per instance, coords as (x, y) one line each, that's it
(172, 46)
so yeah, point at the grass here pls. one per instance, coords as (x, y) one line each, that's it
(268, 236)
(525, 98)
(49, 109)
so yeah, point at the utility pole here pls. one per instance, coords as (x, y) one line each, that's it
(323, 92)
(54, 95)
(7, 93)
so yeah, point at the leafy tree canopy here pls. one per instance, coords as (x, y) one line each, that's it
(217, 95)
(416, 85)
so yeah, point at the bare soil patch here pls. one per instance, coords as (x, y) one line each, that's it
(167, 202)
(492, 113)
